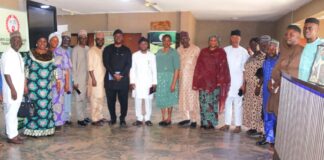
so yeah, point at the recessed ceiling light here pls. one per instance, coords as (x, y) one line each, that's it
(45, 6)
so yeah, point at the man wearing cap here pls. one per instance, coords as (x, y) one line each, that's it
(311, 31)
(96, 80)
(13, 77)
(80, 77)
(117, 60)
(66, 40)
(236, 57)
(188, 98)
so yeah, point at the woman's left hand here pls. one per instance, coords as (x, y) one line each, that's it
(172, 88)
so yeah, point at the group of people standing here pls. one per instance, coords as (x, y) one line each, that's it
(202, 82)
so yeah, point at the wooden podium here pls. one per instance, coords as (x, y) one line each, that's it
(300, 123)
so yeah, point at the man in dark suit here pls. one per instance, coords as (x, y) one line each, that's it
(117, 60)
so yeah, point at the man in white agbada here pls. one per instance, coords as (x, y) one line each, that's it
(80, 77)
(143, 80)
(13, 77)
(236, 58)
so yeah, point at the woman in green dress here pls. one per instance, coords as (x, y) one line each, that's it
(40, 77)
(167, 62)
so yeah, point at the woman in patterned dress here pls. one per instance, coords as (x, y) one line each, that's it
(212, 79)
(252, 105)
(63, 66)
(167, 63)
(40, 78)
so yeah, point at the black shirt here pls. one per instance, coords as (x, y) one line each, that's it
(117, 59)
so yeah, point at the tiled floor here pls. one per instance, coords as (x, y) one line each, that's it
(143, 143)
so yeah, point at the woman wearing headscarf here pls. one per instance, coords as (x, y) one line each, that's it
(212, 79)
(63, 65)
(40, 76)
(252, 104)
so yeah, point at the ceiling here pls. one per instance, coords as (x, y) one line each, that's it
(243, 10)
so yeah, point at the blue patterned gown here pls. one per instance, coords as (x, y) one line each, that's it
(40, 77)
(270, 119)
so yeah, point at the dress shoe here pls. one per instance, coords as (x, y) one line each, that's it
(224, 128)
(149, 123)
(68, 123)
(262, 142)
(184, 122)
(193, 125)
(15, 140)
(162, 123)
(138, 123)
(87, 120)
(122, 124)
(82, 123)
(112, 122)
(168, 123)
(251, 131)
(58, 128)
(237, 130)
(22, 137)
(256, 135)
(98, 123)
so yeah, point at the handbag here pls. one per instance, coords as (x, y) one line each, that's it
(27, 108)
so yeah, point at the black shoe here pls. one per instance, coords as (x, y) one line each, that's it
(112, 122)
(98, 123)
(168, 123)
(137, 123)
(122, 124)
(251, 131)
(162, 123)
(193, 125)
(255, 135)
(82, 123)
(185, 122)
(68, 123)
(149, 123)
(262, 142)
(87, 120)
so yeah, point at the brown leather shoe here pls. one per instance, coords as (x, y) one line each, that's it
(237, 130)
(225, 128)
(15, 140)
(22, 137)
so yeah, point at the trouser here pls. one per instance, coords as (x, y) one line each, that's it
(67, 107)
(138, 109)
(96, 105)
(270, 123)
(123, 101)
(11, 119)
(191, 115)
(237, 103)
(81, 104)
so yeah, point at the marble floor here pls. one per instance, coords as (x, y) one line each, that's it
(142, 143)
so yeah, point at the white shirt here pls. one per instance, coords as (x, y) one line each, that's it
(143, 73)
(236, 58)
(12, 64)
